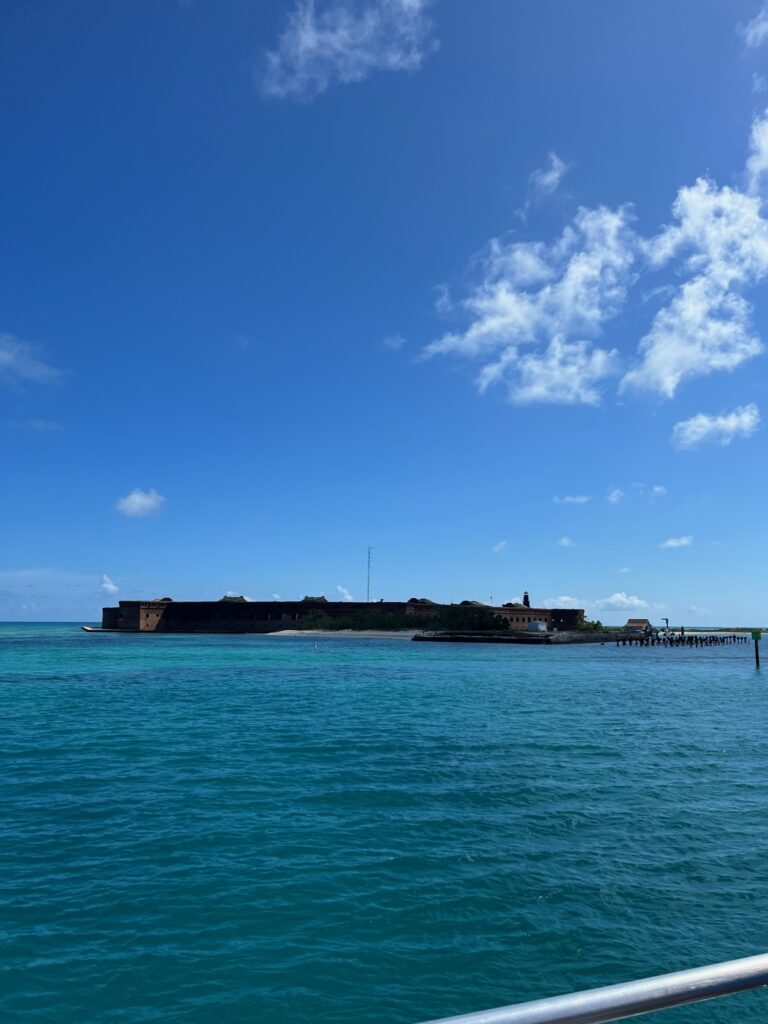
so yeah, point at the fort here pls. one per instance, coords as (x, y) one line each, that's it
(239, 615)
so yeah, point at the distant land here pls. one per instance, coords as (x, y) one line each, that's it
(239, 615)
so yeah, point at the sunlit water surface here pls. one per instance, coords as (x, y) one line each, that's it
(252, 829)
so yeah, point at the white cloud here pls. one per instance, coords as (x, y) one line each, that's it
(571, 499)
(498, 548)
(565, 542)
(755, 32)
(19, 362)
(706, 327)
(140, 503)
(625, 569)
(394, 342)
(108, 586)
(277, 597)
(620, 600)
(615, 496)
(654, 491)
(757, 163)
(547, 180)
(722, 429)
(346, 42)
(534, 314)
(552, 297)
(759, 83)
(443, 301)
(345, 594)
(566, 374)
(677, 542)
(564, 601)
(37, 426)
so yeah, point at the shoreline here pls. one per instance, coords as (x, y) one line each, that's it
(364, 634)
(548, 639)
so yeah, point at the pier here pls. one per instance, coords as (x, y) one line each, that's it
(683, 640)
(690, 641)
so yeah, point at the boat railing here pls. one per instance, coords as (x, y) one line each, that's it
(631, 998)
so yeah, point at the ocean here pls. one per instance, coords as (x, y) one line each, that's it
(207, 829)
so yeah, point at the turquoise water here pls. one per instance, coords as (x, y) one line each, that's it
(232, 829)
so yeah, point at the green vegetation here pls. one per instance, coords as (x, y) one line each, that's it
(468, 617)
(368, 619)
(458, 618)
(590, 626)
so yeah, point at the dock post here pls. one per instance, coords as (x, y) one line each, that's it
(756, 634)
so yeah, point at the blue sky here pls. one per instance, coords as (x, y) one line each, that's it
(280, 280)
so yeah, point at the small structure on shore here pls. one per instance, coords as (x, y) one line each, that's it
(639, 626)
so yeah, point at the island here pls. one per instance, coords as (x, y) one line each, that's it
(240, 615)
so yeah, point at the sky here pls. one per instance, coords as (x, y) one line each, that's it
(481, 286)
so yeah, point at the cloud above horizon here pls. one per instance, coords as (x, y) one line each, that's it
(755, 32)
(20, 363)
(719, 430)
(546, 180)
(652, 491)
(564, 601)
(707, 325)
(36, 426)
(571, 499)
(107, 585)
(536, 303)
(677, 542)
(345, 42)
(620, 600)
(140, 503)
(536, 309)
(345, 594)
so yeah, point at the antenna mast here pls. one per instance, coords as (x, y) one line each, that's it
(368, 587)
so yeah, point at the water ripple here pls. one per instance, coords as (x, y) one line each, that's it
(244, 829)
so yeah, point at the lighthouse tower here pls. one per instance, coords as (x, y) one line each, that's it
(526, 600)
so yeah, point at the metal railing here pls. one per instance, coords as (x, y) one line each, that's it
(631, 998)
